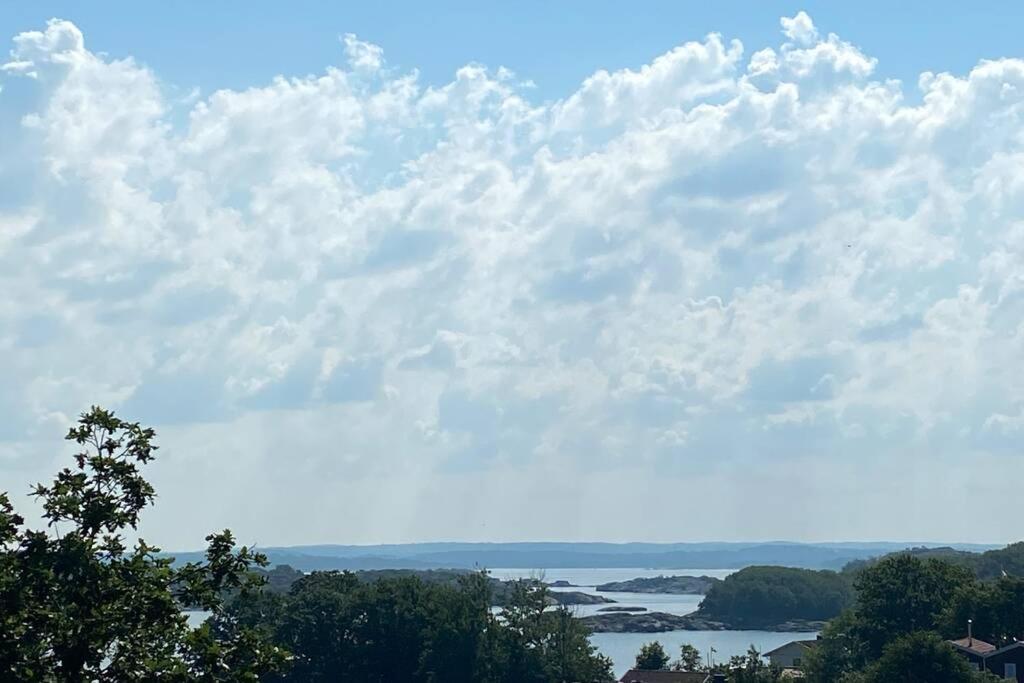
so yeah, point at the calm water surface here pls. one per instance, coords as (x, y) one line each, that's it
(622, 647)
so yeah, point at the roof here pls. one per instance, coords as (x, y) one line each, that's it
(650, 676)
(803, 643)
(1003, 649)
(978, 647)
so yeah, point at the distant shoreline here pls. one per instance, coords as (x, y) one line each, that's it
(659, 622)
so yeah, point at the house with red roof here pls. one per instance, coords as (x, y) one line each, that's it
(1006, 662)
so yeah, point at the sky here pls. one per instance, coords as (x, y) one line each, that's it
(563, 271)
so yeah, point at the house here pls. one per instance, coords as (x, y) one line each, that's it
(661, 676)
(973, 649)
(791, 655)
(1006, 662)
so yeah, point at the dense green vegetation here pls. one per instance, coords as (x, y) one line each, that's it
(338, 628)
(762, 597)
(905, 606)
(652, 657)
(77, 604)
(280, 578)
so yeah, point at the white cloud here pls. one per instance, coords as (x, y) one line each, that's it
(362, 56)
(706, 274)
(799, 28)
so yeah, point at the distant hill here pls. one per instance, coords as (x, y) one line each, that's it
(543, 555)
(989, 564)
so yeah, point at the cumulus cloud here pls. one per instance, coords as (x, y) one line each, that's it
(770, 282)
(799, 28)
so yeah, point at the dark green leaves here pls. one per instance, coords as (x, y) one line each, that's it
(77, 604)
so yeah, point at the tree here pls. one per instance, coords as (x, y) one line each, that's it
(839, 651)
(401, 628)
(994, 607)
(79, 605)
(752, 669)
(759, 597)
(534, 643)
(652, 656)
(904, 605)
(920, 657)
(689, 659)
(902, 594)
(568, 654)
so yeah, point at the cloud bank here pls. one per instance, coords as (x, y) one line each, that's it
(731, 294)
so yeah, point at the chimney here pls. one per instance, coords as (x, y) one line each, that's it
(970, 633)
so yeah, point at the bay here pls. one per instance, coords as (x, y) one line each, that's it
(622, 648)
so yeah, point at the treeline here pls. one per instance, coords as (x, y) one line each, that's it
(337, 627)
(763, 597)
(991, 564)
(78, 603)
(280, 578)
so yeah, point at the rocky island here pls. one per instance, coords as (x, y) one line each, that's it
(657, 622)
(754, 598)
(676, 585)
(575, 598)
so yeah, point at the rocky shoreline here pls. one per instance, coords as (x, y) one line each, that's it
(576, 598)
(675, 585)
(658, 622)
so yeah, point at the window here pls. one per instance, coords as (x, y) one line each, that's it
(1010, 671)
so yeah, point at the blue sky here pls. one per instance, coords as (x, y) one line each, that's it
(409, 274)
(555, 44)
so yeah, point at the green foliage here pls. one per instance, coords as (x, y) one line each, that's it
(281, 577)
(79, 605)
(995, 608)
(652, 656)
(751, 668)
(903, 594)
(758, 597)
(920, 657)
(905, 604)
(689, 659)
(838, 652)
(1007, 561)
(402, 628)
(991, 564)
